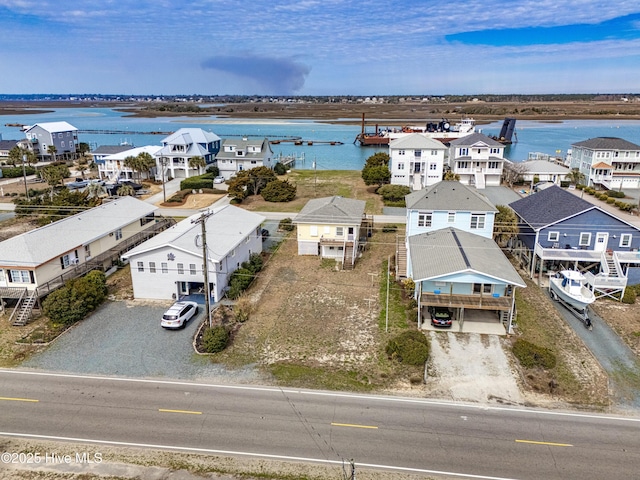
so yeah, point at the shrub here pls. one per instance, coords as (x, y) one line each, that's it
(278, 191)
(603, 197)
(279, 169)
(242, 310)
(530, 355)
(580, 186)
(393, 193)
(239, 282)
(629, 296)
(615, 194)
(196, 183)
(389, 228)
(215, 339)
(536, 179)
(77, 299)
(286, 224)
(213, 170)
(15, 172)
(611, 200)
(410, 347)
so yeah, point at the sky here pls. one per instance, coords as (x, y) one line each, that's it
(319, 47)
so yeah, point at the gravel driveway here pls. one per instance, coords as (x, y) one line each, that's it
(126, 339)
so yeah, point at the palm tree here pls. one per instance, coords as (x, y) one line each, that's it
(449, 176)
(82, 165)
(52, 150)
(197, 162)
(133, 163)
(95, 190)
(126, 190)
(575, 176)
(147, 162)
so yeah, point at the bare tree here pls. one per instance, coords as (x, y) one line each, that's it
(513, 172)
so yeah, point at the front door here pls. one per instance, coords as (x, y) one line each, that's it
(601, 241)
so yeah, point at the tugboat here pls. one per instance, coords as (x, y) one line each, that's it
(568, 287)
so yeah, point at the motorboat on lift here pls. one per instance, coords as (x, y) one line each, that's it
(569, 286)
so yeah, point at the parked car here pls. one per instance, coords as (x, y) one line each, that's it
(440, 316)
(265, 234)
(218, 180)
(179, 314)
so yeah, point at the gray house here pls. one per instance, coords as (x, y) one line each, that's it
(61, 135)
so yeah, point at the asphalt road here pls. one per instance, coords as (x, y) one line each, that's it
(402, 434)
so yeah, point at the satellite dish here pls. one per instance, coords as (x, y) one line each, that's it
(198, 241)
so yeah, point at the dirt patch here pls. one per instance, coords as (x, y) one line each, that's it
(623, 318)
(194, 201)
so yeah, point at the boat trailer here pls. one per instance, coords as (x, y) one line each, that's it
(582, 315)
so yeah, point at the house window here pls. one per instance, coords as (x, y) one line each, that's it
(68, 260)
(625, 240)
(481, 288)
(417, 153)
(19, 276)
(495, 150)
(424, 219)
(339, 231)
(152, 267)
(327, 230)
(434, 152)
(585, 239)
(400, 152)
(451, 217)
(494, 165)
(87, 252)
(477, 221)
(463, 151)
(233, 252)
(401, 166)
(463, 165)
(433, 166)
(553, 236)
(192, 269)
(313, 230)
(181, 268)
(141, 266)
(165, 267)
(118, 234)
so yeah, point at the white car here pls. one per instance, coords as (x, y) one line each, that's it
(179, 314)
(218, 180)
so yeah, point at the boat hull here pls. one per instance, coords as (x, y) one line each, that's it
(579, 302)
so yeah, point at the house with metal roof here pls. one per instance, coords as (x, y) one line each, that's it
(559, 230)
(113, 167)
(61, 135)
(333, 227)
(172, 160)
(238, 154)
(477, 159)
(542, 171)
(607, 162)
(416, 161)
(449, 204)
(171, 265)
(37, 262)
(98, 155)
(465, 273)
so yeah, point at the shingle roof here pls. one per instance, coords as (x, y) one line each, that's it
(549, 206)
(602, 165)
(449, 196)
(607, 143)
(416, 140)
(38, 246)
(110, 149)
(8, 144)
(226, 228)
(134, 152)
(449, 250)
(474, 138)
(334, 209)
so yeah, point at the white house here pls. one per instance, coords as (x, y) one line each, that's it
(478, 160)
(172, 160)
(237, 155)
(609, 162)
(543, 170)
(112, 167)
(61, 135)
(171, 265)
(416, 161)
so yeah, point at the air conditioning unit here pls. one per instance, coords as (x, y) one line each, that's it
(74, 261)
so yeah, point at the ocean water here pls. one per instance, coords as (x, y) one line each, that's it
(553, 138)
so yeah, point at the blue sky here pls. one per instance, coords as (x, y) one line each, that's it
(319, 47)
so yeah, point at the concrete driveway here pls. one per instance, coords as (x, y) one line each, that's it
(125, 339)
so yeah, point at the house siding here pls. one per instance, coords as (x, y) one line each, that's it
(439, 220)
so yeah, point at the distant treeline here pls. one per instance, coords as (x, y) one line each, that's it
(224, 99)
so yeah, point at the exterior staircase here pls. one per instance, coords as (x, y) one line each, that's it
(479, 179)
(611, 264)
(401, 258)
(24, 307)
(348, 262)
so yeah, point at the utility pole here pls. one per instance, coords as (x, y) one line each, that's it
(24, 175)
(163, 162)
(202, 220)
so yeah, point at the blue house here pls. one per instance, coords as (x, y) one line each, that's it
(449, 204)
(464, 272)
(559, 230)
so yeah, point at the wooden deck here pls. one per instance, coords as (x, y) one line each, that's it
(481, 302)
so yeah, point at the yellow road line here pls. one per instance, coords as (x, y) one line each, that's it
(545, 443)
(179, 411)
(19, 399)
(352, 425)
